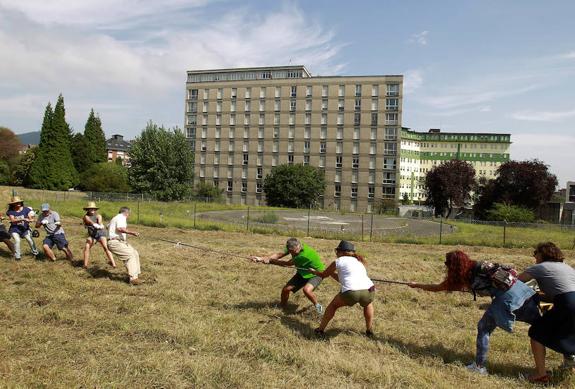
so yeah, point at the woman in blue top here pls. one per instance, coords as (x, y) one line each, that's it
(516, 303)
(20, 219)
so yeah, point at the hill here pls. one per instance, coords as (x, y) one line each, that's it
(30, 138)
(206, 318)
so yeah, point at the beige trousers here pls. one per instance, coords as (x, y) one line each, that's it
(126, 254)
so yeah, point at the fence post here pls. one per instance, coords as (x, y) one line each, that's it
(504, 231)
(440, 228)
(248, 220)
(194, 214)
(138, 212)
(371, 228)
(161, 217)
(308, 216)
(362, 227)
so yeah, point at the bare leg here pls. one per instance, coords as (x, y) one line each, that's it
(539, 357)
(87, 247)
(333, 306)
(10, 246)
(368, 314)
(108, 253)
(49, 253)
(285, 295)
(308, 291)
(69, 254)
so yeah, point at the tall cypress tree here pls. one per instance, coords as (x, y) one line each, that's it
(95, 139)
(54, 169)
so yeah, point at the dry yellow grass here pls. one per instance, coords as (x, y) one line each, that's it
(209, 320)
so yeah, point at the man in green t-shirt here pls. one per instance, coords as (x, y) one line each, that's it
(302, 257)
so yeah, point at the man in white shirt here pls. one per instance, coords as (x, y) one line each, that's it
(118, 245)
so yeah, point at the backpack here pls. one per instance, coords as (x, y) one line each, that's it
(487, 276)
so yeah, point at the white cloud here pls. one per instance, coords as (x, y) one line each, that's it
(419, 38)
(542, 116)
(569, 55)
(412, 80)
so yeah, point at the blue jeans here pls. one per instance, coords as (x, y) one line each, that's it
(527, 313)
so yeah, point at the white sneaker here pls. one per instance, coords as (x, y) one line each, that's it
(476, 369)
(319, 309)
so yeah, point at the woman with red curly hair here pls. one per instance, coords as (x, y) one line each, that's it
(516, 301)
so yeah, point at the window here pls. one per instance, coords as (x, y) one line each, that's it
(322, 147)
(206, 94)
(219, 93)
(260, 172)
(234, 93)
(217, 145)
(248, 106)
(204, 133)
(389, 148)
(355, 148)
(276, 146)
(324, 91)
(338, 162)
(337, 190)
(290, 159)
(193, 94)
(246, 132)
(341, 91)
(232, 133)
(219, 106)
(205, 107)
(340, 119)
(218, 120)
(375, 90)
(374, 118)
(354, 177)
(232, 120)
(248, 93)
(337, 177)
(276, 119)
(371, 178)
(291, 119)
(259, 187)
(245, 160)
(339, 133)
(202, 171)
(391, 118)
(307, 119)
(340, 104)
(339, 147)
(372, 148)
(323, 118)
(262, 93)
(244, 186)
(276, 105)
(370, 192)
(323, 133)
(374, 105)
(278, 92)
(392, 89)
(290, 146)
(292, 105)
(355, 163)
(324, 105)
(274, 160)
(244, 172)
(354, 192)
(259, 160)
(231, 146)
(373, 135)
(191, 132)
(293, 91)
(357, 105)
(203, 159)
(357, 118)
(204, 120)
(260, 132)
(276, 132)
(391, 133)
(308, 105)
(216, 172)
(216, 159)
(388, 178)
(358, 90)
(392, 104)
(306, 159)
(307, 133)
(262, 106)
(230, 186)
(322, 161)
(247, 119)
(192, 106)
(306, 146)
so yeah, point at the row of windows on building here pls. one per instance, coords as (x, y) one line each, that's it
(390, 119)
(193, 94)
(426, 155)
(455, 145)
(243, 75)
(434, 162)
(389, 133)
(456, 137)
(389, 148)
(337, 192)
(391, 104)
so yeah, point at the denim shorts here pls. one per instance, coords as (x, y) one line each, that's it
(58, 239)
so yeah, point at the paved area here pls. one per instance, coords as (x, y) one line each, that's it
(333, 222)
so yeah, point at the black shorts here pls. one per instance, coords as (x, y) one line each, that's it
(298, 282)
(4, 235)
(59, 240)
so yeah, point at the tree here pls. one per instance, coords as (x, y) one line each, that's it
(80, 151)
(294, 186)
(21, 172)
(96, 139)
(105, 177)
(208, 192)
(53, 168)
(449, 185)
(527, 184)
(510, 213)
(162, 163)
(9, 145)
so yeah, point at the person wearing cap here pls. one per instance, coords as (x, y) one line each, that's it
(20, 219)
(302, 257)
(118, 245)
(5, 236)
(96, 233)
(52, 224)
(356, 286)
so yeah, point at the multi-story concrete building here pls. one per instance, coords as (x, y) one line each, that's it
(420, 151)
(243, 122)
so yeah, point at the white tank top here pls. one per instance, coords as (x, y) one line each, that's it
(352, 274)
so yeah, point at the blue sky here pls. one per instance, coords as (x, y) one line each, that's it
(480, 66)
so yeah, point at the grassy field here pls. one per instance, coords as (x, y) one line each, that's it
(205, 319)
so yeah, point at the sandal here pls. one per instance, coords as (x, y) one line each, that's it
(544, 379)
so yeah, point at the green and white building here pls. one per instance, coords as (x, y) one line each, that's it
(421, 151)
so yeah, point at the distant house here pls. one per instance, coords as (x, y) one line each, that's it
(118, 148)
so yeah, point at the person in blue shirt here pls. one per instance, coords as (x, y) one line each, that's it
(20, 219)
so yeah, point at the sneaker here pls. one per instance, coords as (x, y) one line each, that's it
(476, 369)
(319, 309)
(135, 281)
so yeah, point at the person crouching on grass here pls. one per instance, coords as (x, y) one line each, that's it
(118, 245)
(356, 287)
(302, 257)
(5, 236)
(96, 234)
(518, 302)
(50, 220)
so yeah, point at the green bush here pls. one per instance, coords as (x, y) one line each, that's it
(267, 218)
(510, 213)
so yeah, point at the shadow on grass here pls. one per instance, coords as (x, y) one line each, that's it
(448, 355)
(97, 272)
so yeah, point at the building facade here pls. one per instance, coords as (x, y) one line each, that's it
(421, 151)
(243, 122)
(117, 147)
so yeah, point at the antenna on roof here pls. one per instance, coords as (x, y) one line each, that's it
(290, 61)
